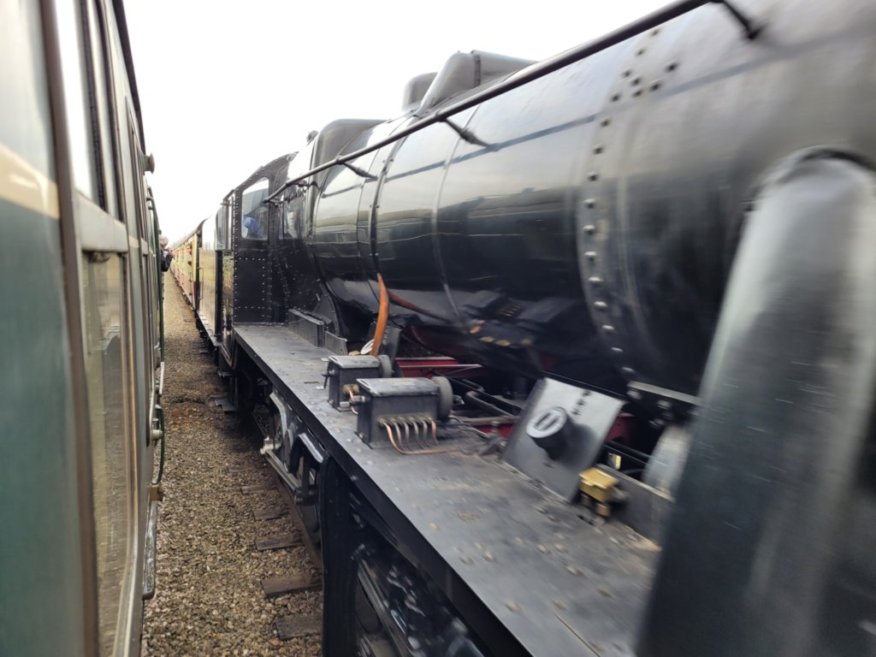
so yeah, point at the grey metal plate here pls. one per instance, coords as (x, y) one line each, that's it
(355, 362)
(398, 387)
(591, 416)
(558, 584)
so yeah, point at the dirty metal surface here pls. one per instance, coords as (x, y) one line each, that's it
(528, 570)
(589, 417)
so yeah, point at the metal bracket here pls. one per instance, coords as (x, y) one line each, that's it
(359, 172)
(750, 27)
(467, 135)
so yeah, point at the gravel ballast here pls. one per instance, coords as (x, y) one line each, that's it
(209, 599)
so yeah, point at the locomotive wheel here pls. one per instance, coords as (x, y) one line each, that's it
(307, 474)
(339, 570)
(377, 604)
(356, 626)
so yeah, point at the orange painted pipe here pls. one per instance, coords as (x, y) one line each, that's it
(382, 316)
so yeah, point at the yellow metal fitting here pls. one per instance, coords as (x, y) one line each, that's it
(598, 485)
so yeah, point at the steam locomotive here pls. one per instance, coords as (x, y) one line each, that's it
(577, 356)
(82, 334)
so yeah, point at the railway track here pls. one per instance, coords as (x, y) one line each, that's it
(236, 573)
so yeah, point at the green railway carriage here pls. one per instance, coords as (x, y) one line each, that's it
(80, 332)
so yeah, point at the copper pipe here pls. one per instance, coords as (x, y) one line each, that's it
(382, 317)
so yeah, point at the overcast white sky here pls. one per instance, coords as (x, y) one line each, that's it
(227, 86)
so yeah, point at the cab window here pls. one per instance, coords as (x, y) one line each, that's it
(253, 214)
(296, 194)
(288, 229)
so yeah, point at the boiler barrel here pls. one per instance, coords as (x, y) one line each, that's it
(591, 238)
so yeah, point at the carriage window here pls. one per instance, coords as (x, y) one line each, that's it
(76, 101)
(254, 215)
(101, 114)
(103, 300)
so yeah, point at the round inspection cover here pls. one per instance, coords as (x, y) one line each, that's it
(549, 430)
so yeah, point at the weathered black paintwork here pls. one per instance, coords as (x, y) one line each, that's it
(527, 573)
(277, 279)
(302, 284)
(295, 278)
(771, 543)
(247, 286)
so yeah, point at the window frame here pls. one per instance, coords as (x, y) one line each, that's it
(257, 210)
